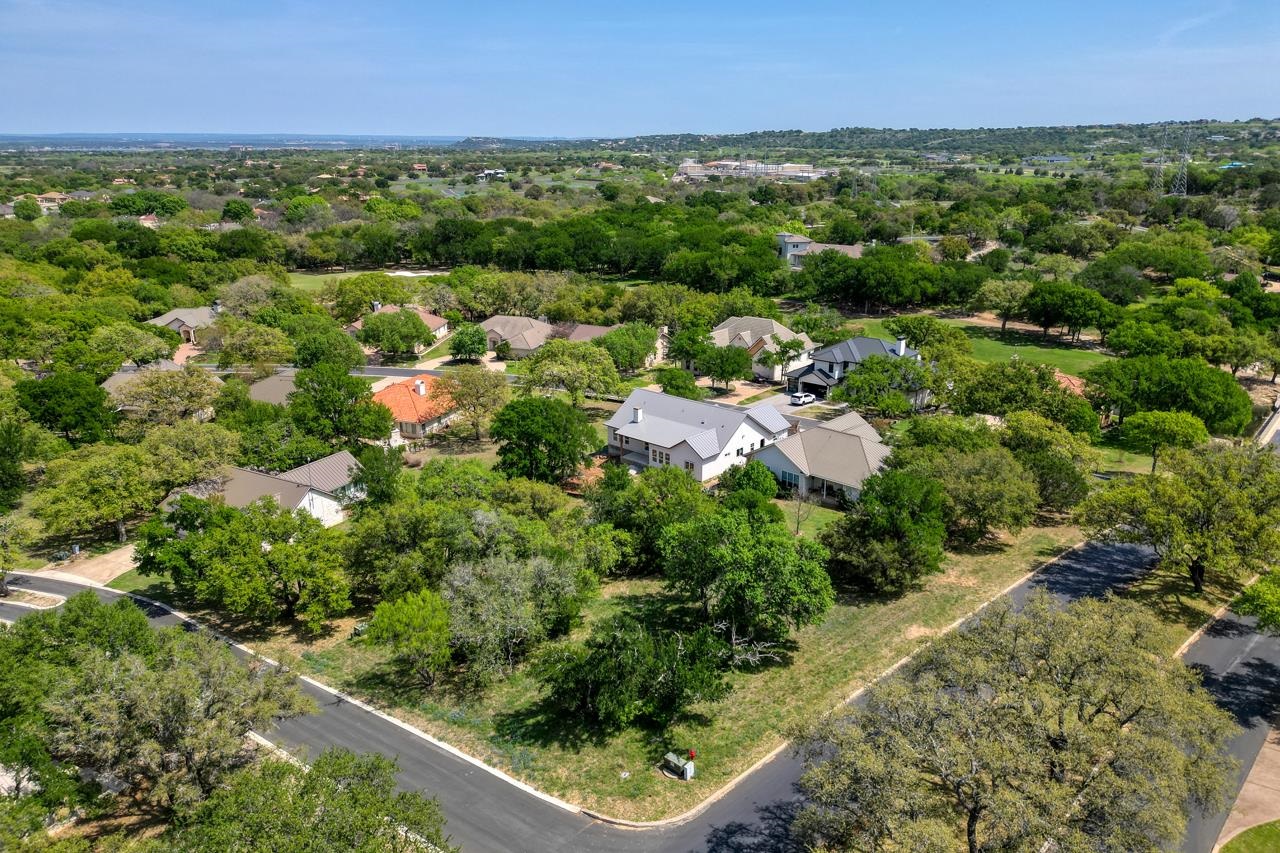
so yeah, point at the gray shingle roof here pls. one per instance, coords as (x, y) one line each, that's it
(243, 487)
(667, 421)
(856, 349)
(196, 318)
(838, 457)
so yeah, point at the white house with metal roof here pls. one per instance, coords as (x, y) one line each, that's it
(705, 439)
(826, 367)
(756, 335)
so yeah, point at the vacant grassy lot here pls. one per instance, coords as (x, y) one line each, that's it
(1260, 839)
(509, 727)
(990, 345)
(312, 282)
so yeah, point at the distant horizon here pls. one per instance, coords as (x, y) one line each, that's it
(333, 135)
(568, 69)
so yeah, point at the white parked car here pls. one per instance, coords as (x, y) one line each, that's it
(801, 398)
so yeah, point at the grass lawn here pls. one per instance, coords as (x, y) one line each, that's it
(440, 349)
(313, 281)
(510, 728)
(813, 517)
(1260, 839)
(990, 345)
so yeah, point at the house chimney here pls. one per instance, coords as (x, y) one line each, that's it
(376, 306)
(902, 346)
(637, 414)
(420, 386)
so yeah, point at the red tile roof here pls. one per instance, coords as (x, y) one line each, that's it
(408, 406)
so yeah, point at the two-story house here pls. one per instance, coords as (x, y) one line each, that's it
(756, 335)
(829, 365)
(704, 439)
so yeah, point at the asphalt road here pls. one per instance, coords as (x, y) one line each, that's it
(486, 813)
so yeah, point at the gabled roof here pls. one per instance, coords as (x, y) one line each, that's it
(122, 377)
(330, 474)
(745, 332)
(793, 238)
(243, 487)
(668, 421)
(856, 349)
(196, 318)
(408, 406)
(853, 424)
(853, 251)
(585, 331)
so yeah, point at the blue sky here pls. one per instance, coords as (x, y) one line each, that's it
(558, 68)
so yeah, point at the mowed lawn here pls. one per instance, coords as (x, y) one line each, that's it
(509, 726)
(989, 344)
(314, 281)
(1260, 839)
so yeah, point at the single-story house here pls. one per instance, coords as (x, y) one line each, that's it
(80, 195)
(318, 488)
(705, 439)
(794, 248)
(274, 389)
(755, 335)
(523, 334)
(415, 410)
(827, 461)
(187, 321)
(436, 325)
(829, 365)
(6, 211)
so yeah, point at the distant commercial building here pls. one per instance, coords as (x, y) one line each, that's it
(691, 169)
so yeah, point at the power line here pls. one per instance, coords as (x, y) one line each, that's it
(1157, 176)
(1180, 179)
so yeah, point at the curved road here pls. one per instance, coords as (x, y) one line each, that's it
(486, 813)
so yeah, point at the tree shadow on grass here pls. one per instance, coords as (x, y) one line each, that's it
(1019, 338)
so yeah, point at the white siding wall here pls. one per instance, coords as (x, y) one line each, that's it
(323, 507)
(746, 435)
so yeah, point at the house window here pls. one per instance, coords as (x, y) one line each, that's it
(739, 451)
(626, 439)
(688, 466)
(788, 478)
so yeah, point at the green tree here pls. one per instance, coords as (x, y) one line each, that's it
(342, 801)
(752, 477)
(237, 210)
(1214, 510)
(93, 487)
(254, 344)
(631, 346)
(27, 209)
(331, 346)
(884, 384)
(577, 367)
(129, 343)
(188, 452)
(335, 407)
(169, 396)
(678, 382)
(984, 491)
(1004, 297)
(173, 725)
(1150, 432)
(67, 403)
(1060, 461)
(416, 628)
(468, 343)
(261, 563)
(1158, 383)
(892, 537)
(725, 364)
(759, 580)
(689, 345)
(542, 439)
(351, 298)
(14, 447)
(378, 480)
(475, 391)
(395, 333)
(627, 673)
(647, 504)
(1073, 727)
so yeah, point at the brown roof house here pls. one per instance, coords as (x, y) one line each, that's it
(794, 248)
(320, 488)
(187, 321)
(827, 462)
(416, 412)
(755, 335)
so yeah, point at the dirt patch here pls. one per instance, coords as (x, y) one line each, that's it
(916, 632)
(34, 599)
(955, 577)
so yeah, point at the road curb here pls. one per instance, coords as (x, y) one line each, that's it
(622, 823)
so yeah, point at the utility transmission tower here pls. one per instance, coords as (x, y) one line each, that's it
(1157, 176)
(1180, 178)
